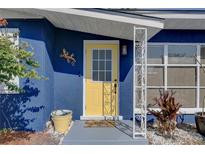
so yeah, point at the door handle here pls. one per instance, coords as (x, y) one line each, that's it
(115, 86)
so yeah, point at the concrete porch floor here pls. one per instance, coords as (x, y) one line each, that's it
(120, 134)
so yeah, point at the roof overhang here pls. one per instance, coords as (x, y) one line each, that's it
(16, 14)
(190, 19)
(187, 24)
(106, 24)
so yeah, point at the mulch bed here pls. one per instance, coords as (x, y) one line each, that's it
(27, 138)
(47, 137)
(185, 134)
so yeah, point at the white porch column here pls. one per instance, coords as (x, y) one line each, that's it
(139, 82)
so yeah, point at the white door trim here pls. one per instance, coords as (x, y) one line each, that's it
(84, 117)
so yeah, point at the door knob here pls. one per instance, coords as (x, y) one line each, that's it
(115, 86)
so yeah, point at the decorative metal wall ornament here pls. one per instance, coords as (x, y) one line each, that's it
(3, 28)
(3, 22)
(69, 57)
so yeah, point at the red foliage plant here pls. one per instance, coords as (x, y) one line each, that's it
(166, 115)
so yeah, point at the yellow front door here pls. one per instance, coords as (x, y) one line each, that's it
(101, 79)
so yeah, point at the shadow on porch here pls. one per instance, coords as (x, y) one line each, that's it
(102, 133)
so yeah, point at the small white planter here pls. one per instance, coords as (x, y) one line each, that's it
(62, 120)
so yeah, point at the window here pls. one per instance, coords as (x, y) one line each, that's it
(202, 55)
(202, 95)
(151, 94)
(14, 38)
(181, 76)
(202, 76)
(155, 76)
(155, 54)
(102, 65)
(181, 54)
(185, 96)
(172, 67)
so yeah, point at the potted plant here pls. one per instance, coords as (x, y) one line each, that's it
(200, 116)
(200, 120)
(61, 120)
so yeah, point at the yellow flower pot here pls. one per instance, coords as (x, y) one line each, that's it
(61, 120)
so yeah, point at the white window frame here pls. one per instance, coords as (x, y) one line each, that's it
(165, 65)
(16, 80)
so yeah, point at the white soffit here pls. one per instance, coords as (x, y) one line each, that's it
(96, 23)
(118, 18)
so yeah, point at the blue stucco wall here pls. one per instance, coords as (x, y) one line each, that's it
(68, 80)
(180, 36)
(64, 87)
(30, 111)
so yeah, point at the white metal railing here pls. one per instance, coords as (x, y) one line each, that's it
(140, 82)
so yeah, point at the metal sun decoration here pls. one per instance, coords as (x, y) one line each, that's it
(3, 22)
(69, 57)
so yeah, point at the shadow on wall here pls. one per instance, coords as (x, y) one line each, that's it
(13, 108)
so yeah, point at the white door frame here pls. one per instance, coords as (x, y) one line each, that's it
(84, 117)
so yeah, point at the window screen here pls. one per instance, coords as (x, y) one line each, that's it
(181, 54)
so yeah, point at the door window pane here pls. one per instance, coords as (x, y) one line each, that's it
(95, 54)
(108, 75)
(181, 54)
(108, 65)
(102, 54)
(108, 55)
(101, 65)
(155, 76)
(95, 75)
(155, 54)
(101, 76)
(95, 65)
(181, 76)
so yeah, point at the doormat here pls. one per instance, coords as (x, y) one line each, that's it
(99, 123)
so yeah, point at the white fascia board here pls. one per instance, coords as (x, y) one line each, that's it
(178, 16)
(134, 21)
